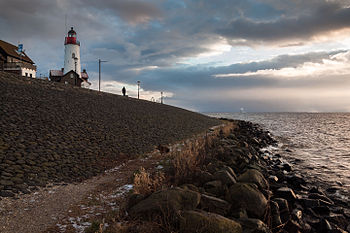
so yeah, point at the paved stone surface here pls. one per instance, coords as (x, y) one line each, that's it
(51, 132)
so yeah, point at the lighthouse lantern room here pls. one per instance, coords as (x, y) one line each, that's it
(72, 53)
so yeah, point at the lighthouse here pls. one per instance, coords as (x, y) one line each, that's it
(72, 53)
(71, 73)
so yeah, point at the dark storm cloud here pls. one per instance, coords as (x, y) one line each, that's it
(131, 10)
(322, 18)
(169, 30)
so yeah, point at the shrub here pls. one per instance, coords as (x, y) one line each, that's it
(145, 184)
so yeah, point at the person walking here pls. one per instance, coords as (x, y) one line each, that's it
(124, 91)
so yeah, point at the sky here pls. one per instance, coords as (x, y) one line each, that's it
(204, 55)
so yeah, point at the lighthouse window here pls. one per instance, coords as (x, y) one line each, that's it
(73, 55)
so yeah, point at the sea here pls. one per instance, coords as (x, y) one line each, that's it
(317, 144)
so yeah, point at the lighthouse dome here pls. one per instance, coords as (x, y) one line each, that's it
(71, 38)
(71, 31)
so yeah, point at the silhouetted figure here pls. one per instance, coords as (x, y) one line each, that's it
(124, 91)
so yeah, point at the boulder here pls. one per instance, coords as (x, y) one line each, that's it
(214, 205)
(246, 196)
(292, 227)
(169, 200)
(214, 187)
(297, 214)
(225, 177)
(239, 213)
(200, 221)
(251, 225)
(275, 214)
(286, 193)
(230, 170)
(310, 202)
(296, 180)
(273, 179)
(255, 177)
(134, 199)
(287, 167)
(283, 208)
(190, 187)
(324, 226)
(203, 177)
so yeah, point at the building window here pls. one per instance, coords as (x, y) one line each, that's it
(31, 75)
(71, 75)
(26, 74)
(73, 55)
(65, 82)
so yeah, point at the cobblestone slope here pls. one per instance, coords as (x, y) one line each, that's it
(51, 132)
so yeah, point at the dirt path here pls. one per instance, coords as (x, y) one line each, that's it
(70, 207)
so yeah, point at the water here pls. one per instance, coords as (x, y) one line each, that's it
(319, 142)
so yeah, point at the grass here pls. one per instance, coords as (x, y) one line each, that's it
(145, 183)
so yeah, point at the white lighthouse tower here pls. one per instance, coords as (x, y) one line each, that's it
(72, 53)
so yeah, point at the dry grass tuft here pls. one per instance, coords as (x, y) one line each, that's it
(195, 154)
(145, 184)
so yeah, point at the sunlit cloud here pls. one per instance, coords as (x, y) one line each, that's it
(139, 69)
(337, 65)
(216, 49)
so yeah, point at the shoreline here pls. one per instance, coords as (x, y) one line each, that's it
(276, 199)
(244, 157)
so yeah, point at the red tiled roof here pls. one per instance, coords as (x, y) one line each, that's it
(56, 73)
(11, 50)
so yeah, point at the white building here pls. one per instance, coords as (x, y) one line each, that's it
(15, 60)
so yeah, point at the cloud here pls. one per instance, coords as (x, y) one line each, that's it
(132, 11)
(332, 65)
(324, 17)
(179, 46)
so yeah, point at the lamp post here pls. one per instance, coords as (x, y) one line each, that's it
(161, 97)
(99, 73)
(75, 63)
(138, 89)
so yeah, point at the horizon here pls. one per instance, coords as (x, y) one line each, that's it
(262, 55)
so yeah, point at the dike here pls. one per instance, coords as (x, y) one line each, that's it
(234, 184)
(51, 132)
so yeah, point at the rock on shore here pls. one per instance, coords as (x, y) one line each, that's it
(51, 132)
(244, 187)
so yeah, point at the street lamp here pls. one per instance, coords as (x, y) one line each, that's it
(138, 89)
(75, 63)
(161, 97)
(99, 73)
